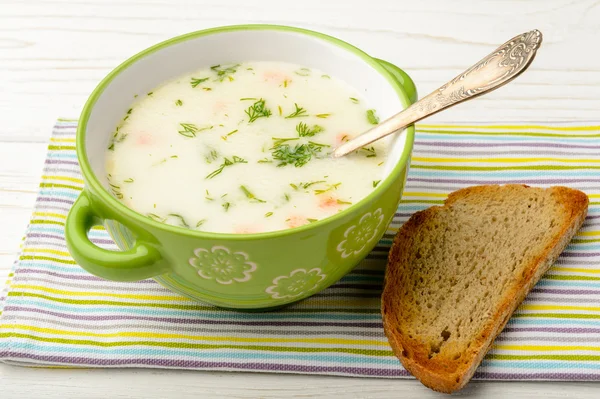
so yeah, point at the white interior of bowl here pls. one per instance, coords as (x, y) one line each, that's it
(233, 47)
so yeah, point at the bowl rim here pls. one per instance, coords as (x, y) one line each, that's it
(99, 190)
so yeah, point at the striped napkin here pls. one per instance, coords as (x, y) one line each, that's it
(56, 314)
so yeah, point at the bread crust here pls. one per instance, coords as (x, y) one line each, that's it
(442, 373)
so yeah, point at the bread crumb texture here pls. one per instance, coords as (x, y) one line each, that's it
(457, 272)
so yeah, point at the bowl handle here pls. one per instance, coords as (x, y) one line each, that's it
(140, 262)
(403, 78)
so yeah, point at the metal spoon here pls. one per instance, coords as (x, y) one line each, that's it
(497, 69)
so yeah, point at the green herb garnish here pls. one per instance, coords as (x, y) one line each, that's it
(190, 130)
(226, 162)
(370, 151)
(155, 217)
(257, 110)
(326, 76)
(298, 113)
(298, 156)
(268, 214)
(311, 220)
(265, 160)
(375, 183)
(232, 132)
(182, 221)
(150, 93)
(250, 195)
(117, 137)
(305, 185)
(116, 190)
(225, 72)
(200, 223)
(179, 103)
(354, 100)
(248, 98)
(372, 117)
(277, 141)
(340, 202)
(196, 81)
(305, 131)
(212, 156)
(226, 205)
(331, 187)
(323, 115)
(130, 180)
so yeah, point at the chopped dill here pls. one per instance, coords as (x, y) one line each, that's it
(250, 195)
(265, 160)
(311, 220)
(305, 185)
(375, 183)
(280, 110)
(116, 190)
(248, 98)
(150, 93)
(196, 81)
(232, 132)
(299, 155)
(354, 100)
(258, 110)
(226, 162)
(179, 103)
(331, 187)
(190, 130)
(372, 117)
(225, 71)
(268, 214)
(305, 131)
(200, 223)
(182, 221)
(118, 137)
(370, 151)
(340, 202)
(277, 141)
(226, 205)
(206, 89)
(156, 218)
(323, 115)
(212, 156)
(130, 180)
(298, 113)
(326, 76)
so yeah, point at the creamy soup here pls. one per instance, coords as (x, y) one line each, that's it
(244, 148)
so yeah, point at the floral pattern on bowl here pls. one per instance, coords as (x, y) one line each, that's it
(222, 265)
(299, 281)
(358, 236)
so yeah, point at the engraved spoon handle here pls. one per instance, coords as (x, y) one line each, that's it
(495, 70)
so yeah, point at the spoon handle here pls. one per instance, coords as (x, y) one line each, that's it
(497, 69)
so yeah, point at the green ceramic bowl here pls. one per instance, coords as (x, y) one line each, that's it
(241, 271)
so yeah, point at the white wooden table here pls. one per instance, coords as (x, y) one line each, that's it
(54, 52)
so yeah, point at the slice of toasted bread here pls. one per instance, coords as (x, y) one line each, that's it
(457, 272)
